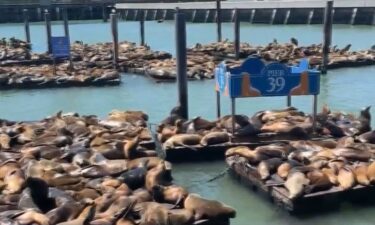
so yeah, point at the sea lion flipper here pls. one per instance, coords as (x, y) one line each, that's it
(200, 222)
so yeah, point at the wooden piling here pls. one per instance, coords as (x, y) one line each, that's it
(142, 27)
(273, 15)
(289, 101)
(252, 15)
(354, 15)
(218, 20)
(181, 63)
(27, 25)
(47, 19)
(114, 30)
(310, 16)
(236, 34)
(66, 22)
(328, 18)
(287, 15)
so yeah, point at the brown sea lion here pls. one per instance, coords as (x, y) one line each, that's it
(360, 172)
(124, 221)
(156, 176)
(31, 216)
(346, 178)
(318, 181)
(130, 148)
(207, 209)
(352, 154)
(4, 141)
(142, 195)
(284, 168)
(202, 124)
(152, 213)
(172, 194)
(295, 184)
(213, 138)
(368, 137)
(331, 174)
(152, 162)
(67, 211)
(180, 217)
(185, 140)
(267, 167)
(252, 156)
(119, 204)
(371, 172)
(14, 182)
(7, 167)
(85, 217)
(274, 150)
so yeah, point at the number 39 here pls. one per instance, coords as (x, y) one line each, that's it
(276, 83)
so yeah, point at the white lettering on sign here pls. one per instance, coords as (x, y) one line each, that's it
(277, 84)
(275, 73)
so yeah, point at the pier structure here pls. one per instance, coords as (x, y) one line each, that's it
(359, 12)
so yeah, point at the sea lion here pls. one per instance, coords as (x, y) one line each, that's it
(273, 150)
(39, 193)
(267, 167)
(152, 213)
(185, 140)
(4, 141)
(142, 195)
(156, 176)
(360, 172)
(172, 194)
(252, 156)
(295, 184)
(152, 162)
(213, 138)
(119, 204)
(135, 178)
(371, 172)
(14, 182)
(346, 178)
(284, 168)
(31, 216)
(207, 209)
(331, 174)
(368, 137)
(352, 154)
(180, 217)
(130, 148)
(85, 217)
(124, 221)
(319, 181)
(67, 211)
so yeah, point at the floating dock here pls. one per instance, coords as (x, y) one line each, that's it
(264, 12)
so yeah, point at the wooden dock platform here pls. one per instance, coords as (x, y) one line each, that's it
(268, 12)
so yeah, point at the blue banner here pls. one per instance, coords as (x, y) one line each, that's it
(255, 79)
(60, 47)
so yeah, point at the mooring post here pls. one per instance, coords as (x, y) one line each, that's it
(328, 18)
(289, 101)
(315, 111)
(66, 32)
(218, 105)
(142, 27)
(181, 63)
(233, 108)
(218, 20)
(236, 35)
(47, 18)
(27, 25)
(114, 38)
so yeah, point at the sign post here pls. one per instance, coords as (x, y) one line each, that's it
(255, 79)
(60, 49)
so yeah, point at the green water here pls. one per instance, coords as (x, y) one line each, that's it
(343, 89)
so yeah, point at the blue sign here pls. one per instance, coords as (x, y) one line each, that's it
(60, 47)
(255, 79)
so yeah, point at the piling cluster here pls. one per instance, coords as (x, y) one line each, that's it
(69, 169)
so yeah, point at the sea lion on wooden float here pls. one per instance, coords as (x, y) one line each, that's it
(181, 217)
(14, 182)
(360, 172)
(273, 150)
(4, 141)
(284, 168)
(371, 172)
(85, 217)
(31, 216)
(213, 138)
(319, 181)
(130, 148)
(352, 154)
(368, 137)
(268, 167)
(184, 140)
(207, 209)
(156, 176)
(172, 194)
(295, 184)
(152, 213)
(39, 194)
(252, 156)
(67, 211)
(119, 204)
(135, 178)
(346, 178)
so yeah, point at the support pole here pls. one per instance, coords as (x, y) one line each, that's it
(47, 18)
(289, 101)
(328, 18)
(66, 22)
(142, 27)
(354, 15)
(114, 38)
(233, 108)
(236, 35)
(104, 14)
(218, 105)
(287, 15)
(27, 25)
(181, 63)
(310, 16)
(315, 111)
(252, 15)
(218, 20)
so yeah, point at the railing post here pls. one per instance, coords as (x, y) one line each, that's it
(236, 35)
(218, 20)
(181, 62)
(114, 38)
(47, 18)
(328, 18)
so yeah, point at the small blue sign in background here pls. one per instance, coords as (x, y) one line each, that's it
(255, 79)
(60, 47)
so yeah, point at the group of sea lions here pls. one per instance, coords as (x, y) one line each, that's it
(14, 49)
(44, 76)
(306, 166)
(288, 123)
(79, 170)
